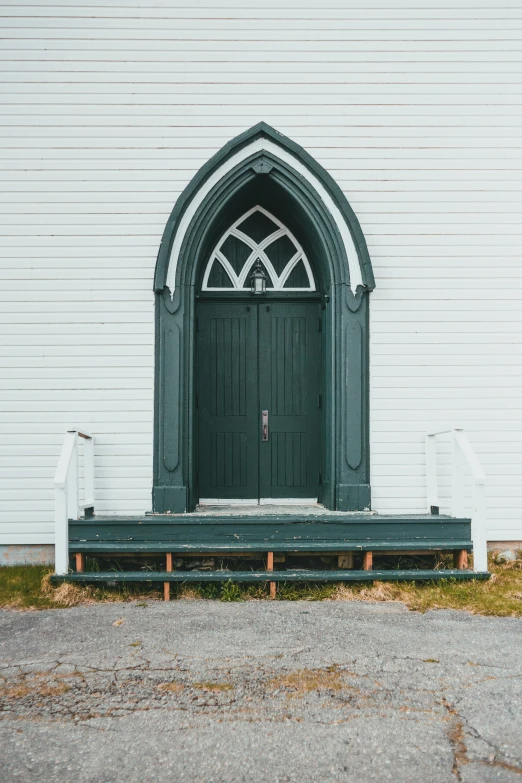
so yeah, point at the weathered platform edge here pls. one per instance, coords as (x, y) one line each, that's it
(290, 575)
(267, 518)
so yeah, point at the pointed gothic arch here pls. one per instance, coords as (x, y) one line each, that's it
(262, 167)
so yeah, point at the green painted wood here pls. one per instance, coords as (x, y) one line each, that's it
(255, 357)
(294, 533)
(150, 547)
(228, 400)
(266, 515)
(344, 521)
(353, 397)
(289, 372)
(273, 183)
(328, 532)
(290, 575)
(170, 395)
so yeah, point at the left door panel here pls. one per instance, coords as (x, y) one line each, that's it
(228, 401)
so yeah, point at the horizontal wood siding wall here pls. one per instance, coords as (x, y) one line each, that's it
(109, 108)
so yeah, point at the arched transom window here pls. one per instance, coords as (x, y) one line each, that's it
(258, 238)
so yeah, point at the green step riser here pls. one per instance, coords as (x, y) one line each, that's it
(443, 533)
(273, 576)
(158, 547)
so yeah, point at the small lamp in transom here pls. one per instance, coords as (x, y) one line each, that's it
(258, 279)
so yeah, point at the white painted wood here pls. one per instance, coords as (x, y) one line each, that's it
(479, 531)
(67, 492)
(66, 456)
(73, 482)
(288, 502)
(108, 113)
(478, 509)
(88, 469)
(227, 502)
(464, 468)
(61, 532)
(65, 496)
(432, 495)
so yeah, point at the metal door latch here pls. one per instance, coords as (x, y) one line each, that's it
(264, 425)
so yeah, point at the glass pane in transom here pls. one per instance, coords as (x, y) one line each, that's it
(257, 226)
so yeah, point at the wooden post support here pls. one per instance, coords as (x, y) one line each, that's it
(166, 585)
(367, 561)
(460, 559)
(80, 562)
(270, 567)
(345, 561)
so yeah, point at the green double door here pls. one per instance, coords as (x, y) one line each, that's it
(258, 399)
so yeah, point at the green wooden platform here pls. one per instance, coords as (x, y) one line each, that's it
(306, 532)
(245, 532)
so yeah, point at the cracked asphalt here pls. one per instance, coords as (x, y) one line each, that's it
(208, 692)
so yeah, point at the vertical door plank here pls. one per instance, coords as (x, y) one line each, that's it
(228, 457)
(289, 361)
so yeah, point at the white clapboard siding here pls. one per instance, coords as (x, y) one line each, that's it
(109, 107)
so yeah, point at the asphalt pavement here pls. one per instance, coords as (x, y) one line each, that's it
(210, 692)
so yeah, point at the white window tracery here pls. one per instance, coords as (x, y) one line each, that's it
(258, 235)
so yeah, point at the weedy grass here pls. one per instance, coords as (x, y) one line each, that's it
(21, 587)
(308, 680)
(500, 596)
(29, 588)
(35, 684)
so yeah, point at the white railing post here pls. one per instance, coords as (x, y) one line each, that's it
(61, 531)
(461, 448)
(88, 469)
(432, 494)
(73, 480)
(67, 492)
(478, 504)
(62, 485)
(478, 526)
(456, 477)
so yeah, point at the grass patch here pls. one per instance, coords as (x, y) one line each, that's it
(34, 685)
(308, 680)
(29, 587)
(500, 596)
(21, 587)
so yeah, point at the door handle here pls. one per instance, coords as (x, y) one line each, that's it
(264, 425)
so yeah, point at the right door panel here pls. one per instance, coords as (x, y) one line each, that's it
(289, 372)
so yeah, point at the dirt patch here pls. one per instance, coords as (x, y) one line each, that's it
(171, 687)
(213, 687)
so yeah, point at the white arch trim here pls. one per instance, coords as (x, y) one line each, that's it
(260, 145)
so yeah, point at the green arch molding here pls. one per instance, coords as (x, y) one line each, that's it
(263, 167)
